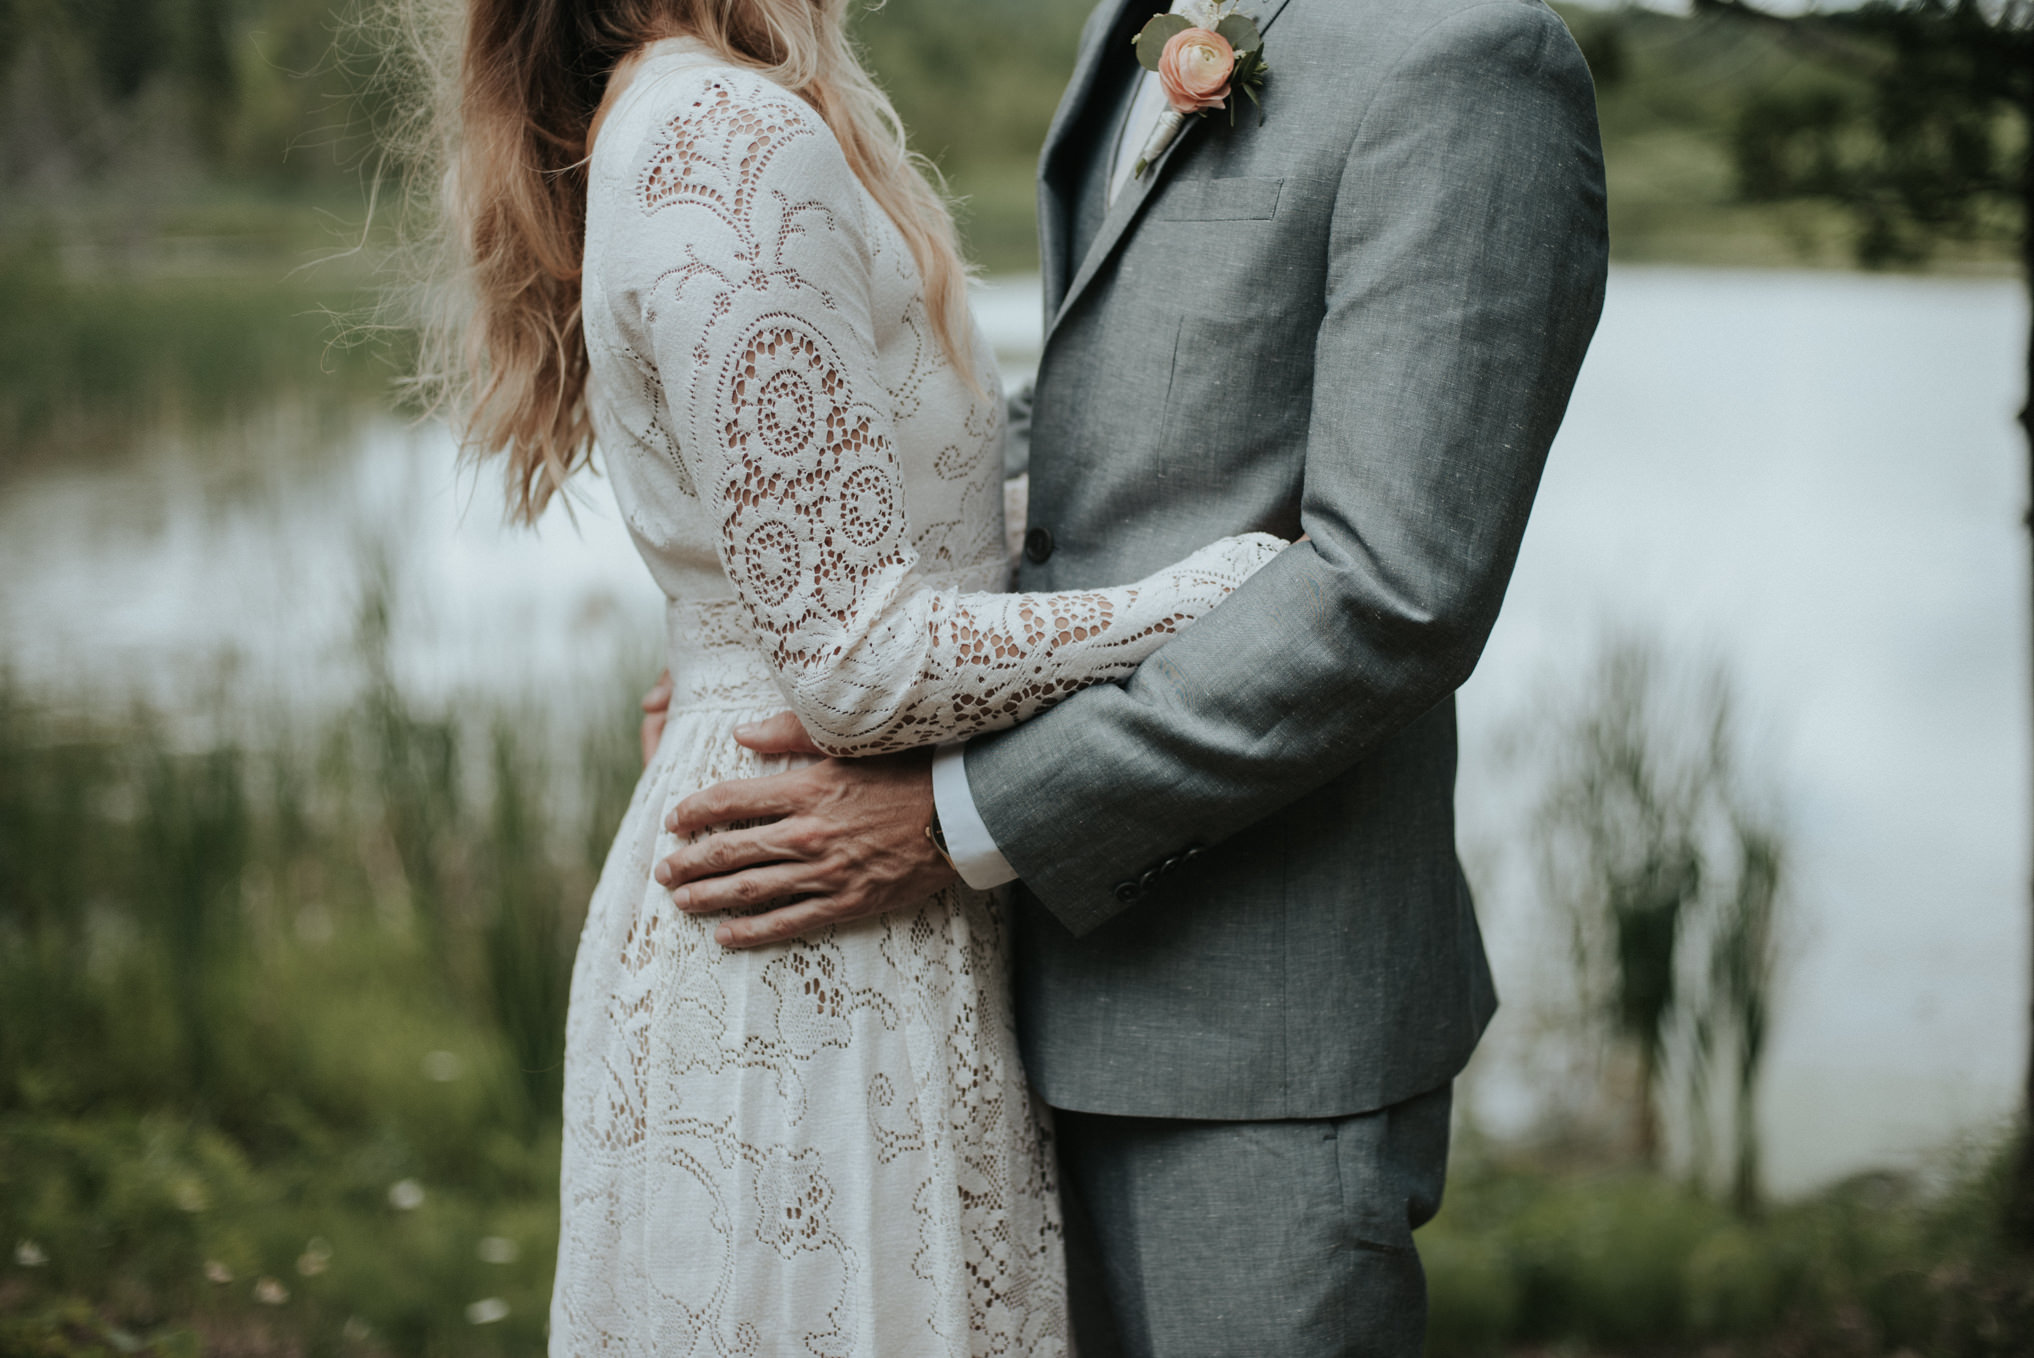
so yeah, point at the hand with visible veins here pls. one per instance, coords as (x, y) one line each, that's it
(842, 839)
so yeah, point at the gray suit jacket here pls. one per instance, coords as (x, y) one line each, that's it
(1240, 895)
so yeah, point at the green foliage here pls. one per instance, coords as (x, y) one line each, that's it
(1672, 870)
(526, 935)
(259, 1092)
(84, 361)
(127, 122)
(369, 1146)
(1913, 119)
(228, 86)
(1522, 1257)
(1241, 32)
(1690, 106)
(976, 83)
(1152, 38)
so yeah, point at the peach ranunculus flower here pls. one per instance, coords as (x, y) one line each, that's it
(1195, 70)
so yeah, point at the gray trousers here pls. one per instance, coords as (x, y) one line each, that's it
(1231, 1239)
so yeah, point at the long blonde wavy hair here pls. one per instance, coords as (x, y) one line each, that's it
(498, 103)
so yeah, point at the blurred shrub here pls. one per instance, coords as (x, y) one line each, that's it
(86, 362)
(1913, 118)
(1662, 844)
(274, 1076)
(976, 83)
(98, 90)
(1523, 1257)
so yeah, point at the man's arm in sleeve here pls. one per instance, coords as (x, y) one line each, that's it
(1466, 276)
(969, 845)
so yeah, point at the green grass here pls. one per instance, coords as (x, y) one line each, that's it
(281, 1021)
(89, 354)
(255, 977)
(280, 1031)
(1613, 1260)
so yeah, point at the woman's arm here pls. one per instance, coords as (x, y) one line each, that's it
(757, 265)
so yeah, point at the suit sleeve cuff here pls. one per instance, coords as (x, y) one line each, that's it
(968, 841)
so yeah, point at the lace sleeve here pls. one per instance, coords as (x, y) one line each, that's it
(760, 326)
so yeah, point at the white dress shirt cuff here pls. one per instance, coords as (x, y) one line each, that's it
(968, 841)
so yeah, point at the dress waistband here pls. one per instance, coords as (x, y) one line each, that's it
(716, 660)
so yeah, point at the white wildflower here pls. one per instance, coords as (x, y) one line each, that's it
(442, 1067)
(487, 1311)
(498, 1249)
(316, 1258)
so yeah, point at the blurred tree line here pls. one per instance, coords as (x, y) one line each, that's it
(1725, 141)
(135, 102)
(93, 91)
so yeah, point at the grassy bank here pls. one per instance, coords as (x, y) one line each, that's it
(281, 1018)
(280, 1015)
(1610, 1260)
(91, 354)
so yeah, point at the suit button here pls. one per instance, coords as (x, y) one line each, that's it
(1037, 546)
(1128, 892)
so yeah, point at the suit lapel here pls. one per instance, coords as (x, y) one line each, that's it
(1127, 208)
(1058, 160)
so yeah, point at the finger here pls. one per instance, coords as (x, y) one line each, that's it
(659, 696)
(732, 850)
(750, 889)
(785, 922)
(781, 734)
(765, 798)
(652, 735)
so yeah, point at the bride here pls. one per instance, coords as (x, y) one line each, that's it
(693, 237)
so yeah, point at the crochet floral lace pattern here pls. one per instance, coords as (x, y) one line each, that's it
(788, 429)
(826, 1147)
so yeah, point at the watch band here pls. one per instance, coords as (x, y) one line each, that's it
(938, 838)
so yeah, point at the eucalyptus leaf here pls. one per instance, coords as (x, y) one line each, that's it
(1155, 35)
(1241, 31)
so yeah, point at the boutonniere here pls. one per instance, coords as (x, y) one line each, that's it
(1202, 56)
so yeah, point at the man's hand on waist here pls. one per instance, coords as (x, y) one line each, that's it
(840, 840)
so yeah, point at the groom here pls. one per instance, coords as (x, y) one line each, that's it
(1248, 968)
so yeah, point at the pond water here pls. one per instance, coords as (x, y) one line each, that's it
(1813, 477)
(1817, 478)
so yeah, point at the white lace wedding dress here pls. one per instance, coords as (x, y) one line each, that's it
(827, 1147)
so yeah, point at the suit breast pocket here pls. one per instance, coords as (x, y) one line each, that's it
(1218, 200)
